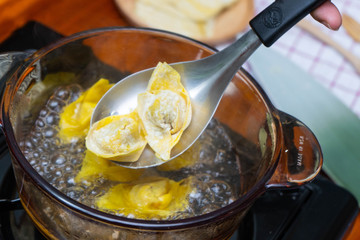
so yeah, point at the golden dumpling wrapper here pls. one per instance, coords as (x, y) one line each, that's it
(165, 110)
(75, 119)
(117, 138)
(94, 167)
(149, 198)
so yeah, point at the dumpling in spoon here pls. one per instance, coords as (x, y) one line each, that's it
(165, 110)
(118, 138)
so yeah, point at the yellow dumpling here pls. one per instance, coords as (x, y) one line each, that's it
(94, 167)
(165, 110)
(75, 119)
(149, 198)
(118, 138)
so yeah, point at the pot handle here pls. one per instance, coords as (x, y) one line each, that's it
(9, 62)
(301, 158)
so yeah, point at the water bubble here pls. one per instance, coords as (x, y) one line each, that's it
(33, 162)
(49, 177)
(58, 159)
(58, 173)
(59, 183)
(44, 163)
(200, 199)
(208, 208)
(40, 123)
(220, 156)
(37, 134)
(74, 192)
(69, 168)
(95, 192)
(27, 153)
(62, 93)
(43, 112)
(49, 132)
(35, 140)
(218, 188)
(44, 157)
(55, 105)
(37, 168)
(75, 161)
(50, 169)
(40, 150)
(21, 144)
(75, 91)
(28, 144)
(212, 124)
(80, 150)
(204, 178)
(70, 180)
(52, 119)
(46, 145)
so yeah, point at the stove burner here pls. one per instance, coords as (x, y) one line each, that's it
(14, 222)
(318, 210)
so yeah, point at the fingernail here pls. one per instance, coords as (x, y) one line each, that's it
(326, 24)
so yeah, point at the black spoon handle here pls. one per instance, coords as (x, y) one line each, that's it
(279, 17)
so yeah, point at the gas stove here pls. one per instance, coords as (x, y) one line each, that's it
(319, 210)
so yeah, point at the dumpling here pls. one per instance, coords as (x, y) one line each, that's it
(119, 138)
(165, 110)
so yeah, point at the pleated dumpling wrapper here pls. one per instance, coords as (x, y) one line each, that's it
(148, 198)
(164, 109)
(74, 121)
(118, 138)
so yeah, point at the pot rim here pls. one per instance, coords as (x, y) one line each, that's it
(231, 209)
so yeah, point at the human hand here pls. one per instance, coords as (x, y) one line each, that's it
(329, 15)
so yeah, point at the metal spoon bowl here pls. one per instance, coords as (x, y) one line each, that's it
(205, 79)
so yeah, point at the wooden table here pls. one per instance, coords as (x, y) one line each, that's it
(65, 16)
(71, 16)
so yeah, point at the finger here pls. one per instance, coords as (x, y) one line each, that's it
(329, 15)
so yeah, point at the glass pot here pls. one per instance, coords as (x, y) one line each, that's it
(275, 149)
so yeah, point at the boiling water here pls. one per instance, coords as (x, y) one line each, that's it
(215, 175)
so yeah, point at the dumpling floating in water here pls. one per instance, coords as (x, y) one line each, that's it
(148, 198)
(75, 119)
(94, 167)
